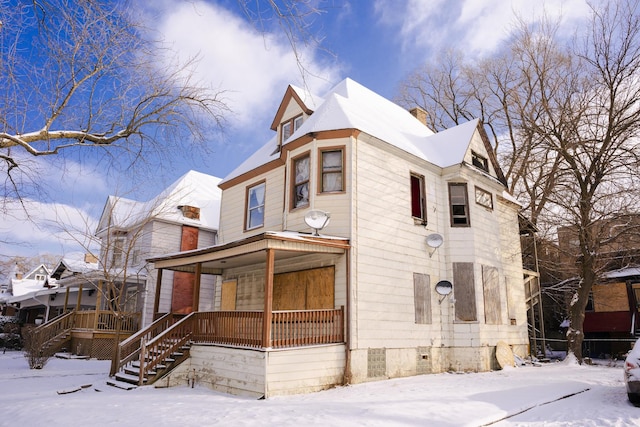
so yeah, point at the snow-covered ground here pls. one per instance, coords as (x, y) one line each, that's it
(557, 394)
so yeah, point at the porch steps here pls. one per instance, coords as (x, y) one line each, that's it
(130, 374)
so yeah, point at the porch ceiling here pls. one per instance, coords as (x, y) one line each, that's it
(250, 251)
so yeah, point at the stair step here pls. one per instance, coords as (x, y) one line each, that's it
(127, 378)
(122, 385)
(136, 371)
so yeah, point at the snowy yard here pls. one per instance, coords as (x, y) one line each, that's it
(524, 396)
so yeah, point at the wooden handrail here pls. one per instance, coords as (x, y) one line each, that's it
(129, 349)
(56, 327)
(155, 351)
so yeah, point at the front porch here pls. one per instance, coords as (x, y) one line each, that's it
(300, 284)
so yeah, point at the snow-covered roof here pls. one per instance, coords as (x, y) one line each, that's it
(73, 265)
(349, 105)
(192, 189)
(624, 272)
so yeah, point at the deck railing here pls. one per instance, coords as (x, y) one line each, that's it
(288, 328)
(307, 327)
(103, 320)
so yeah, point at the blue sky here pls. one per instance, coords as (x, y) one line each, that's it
(375, 42)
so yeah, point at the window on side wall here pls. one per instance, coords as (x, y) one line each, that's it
(418, 199)
(459, 205)
(117, 252)
(331, 170)
(255, 206)
(484, 198)
(300, 187)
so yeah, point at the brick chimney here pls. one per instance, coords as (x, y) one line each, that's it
(190, 212)
(419, 114)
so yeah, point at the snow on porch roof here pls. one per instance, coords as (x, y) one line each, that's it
(289, 241)
(349, 105)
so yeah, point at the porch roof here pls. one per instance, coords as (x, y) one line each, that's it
(251, 251)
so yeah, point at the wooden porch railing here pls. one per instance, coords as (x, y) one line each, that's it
(242, 328)
(129, 349)
(103, 320)
(288, 328)
(54, 329)
(307, 327)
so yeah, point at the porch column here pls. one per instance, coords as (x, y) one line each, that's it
(66, 300)
(156, 302)
(196, 287)
(79, 298)
(97, 305)
(268, 299)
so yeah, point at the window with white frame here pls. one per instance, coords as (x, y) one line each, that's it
(332, 179)
(255, 206)
(300, 196)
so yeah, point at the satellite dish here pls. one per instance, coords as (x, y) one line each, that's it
(317, 220)
(444, 287)
(434, 240)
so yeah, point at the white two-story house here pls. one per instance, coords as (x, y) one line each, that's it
(356, 245)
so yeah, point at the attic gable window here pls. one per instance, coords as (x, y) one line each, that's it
(300, 186)
(479, 161)
(255, 206)
(459, 205)
(418, 199)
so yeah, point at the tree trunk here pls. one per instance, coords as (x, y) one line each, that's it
(575, 333)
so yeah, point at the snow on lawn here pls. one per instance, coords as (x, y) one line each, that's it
(557, 394)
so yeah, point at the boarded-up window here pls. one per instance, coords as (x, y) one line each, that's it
(491, 291)
(228, 295)
(184, 282)
(465, 291)
(610, 297)
(304, 290)
(422, 297)
(512, 300)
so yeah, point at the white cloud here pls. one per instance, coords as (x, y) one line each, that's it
(47, 228)
(476, 27)
(252, 68)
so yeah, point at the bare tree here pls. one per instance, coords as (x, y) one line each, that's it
(85, 75)
(565, 118)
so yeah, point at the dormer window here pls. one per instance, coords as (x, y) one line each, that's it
(479, 161)
(286, 132)
(289, 127)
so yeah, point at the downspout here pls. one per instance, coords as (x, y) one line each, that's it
(347, 358)
(352, 234)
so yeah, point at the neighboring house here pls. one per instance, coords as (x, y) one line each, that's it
(307, 303)
(612, 317)
(184, 216)
(112, 296)
(30, 293)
